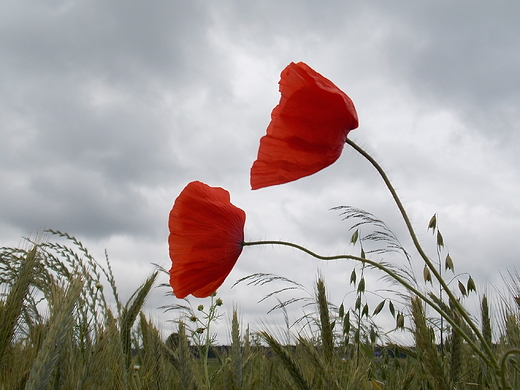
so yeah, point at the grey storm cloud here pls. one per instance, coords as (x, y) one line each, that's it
(108, 109)
(462, 56)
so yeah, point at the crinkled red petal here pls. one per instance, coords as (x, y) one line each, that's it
(205, 241)
(308, 128)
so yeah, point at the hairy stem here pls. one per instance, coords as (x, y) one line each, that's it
(211, 317)
(393, 275)
(503, 363)
(429, 264)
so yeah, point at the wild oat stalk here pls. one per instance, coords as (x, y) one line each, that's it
(390, 272)
(486, 352)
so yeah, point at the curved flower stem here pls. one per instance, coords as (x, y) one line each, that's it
(429, 264)
(394, 276)
(503, 362)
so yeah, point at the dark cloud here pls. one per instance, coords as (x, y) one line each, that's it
(84, 91)
(107, 110)
(128, 43)
(461, 56)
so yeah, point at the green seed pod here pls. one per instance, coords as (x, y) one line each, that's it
(373, 335)
(433, 222)
(462, 288)
(361, 285)
(364, 312)
(354, 237)
(449, 263)
(427, 275)
(358, 303)
(400, 321)
(379, 307)
(440, 240)
(471, 285)
(346, 323)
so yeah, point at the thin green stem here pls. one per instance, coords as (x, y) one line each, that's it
(358, 330)
(503, 363)
(390, 273)
(430, 265)
(211, 317)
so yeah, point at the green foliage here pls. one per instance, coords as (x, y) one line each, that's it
(60, 332)
(13, 305)
(130, 312)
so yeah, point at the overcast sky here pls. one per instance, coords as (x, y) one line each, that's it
(108, 109)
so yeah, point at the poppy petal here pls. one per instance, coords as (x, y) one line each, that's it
(205, 241)
(308, 128)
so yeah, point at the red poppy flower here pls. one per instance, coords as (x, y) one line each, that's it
(308, 128)
(206, 236)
